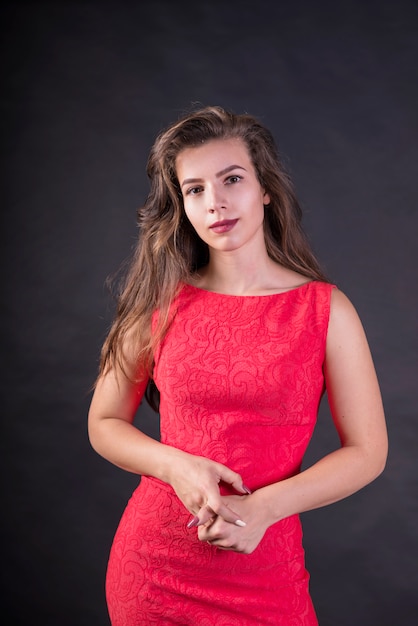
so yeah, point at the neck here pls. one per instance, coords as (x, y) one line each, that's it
(237, 274)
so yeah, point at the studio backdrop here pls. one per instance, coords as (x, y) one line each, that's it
(86, 87)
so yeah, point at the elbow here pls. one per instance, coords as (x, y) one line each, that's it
(92, 438)
(93, 434)
(381, 465)
(378, 464)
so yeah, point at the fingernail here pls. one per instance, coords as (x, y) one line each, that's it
(239, 522)
(193, 522)
(246, 489)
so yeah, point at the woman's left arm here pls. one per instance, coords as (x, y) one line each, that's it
(357, 411)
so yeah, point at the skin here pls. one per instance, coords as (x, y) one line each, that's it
(219, 183)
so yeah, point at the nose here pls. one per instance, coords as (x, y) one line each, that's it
(216, 200)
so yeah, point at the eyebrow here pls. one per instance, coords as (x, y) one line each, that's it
(187, 181)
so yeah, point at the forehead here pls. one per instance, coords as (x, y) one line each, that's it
(212, 156)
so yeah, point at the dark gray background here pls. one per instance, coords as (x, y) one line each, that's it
(86, 87)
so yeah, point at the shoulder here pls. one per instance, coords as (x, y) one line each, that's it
(345, 331)
(342, 309)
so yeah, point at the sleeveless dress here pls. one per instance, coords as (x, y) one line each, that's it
(240, 378)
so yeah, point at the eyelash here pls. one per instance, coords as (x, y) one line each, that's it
(193, 191)
(229, 181)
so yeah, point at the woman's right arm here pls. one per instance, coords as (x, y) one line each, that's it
(112, 433)
(114, 436)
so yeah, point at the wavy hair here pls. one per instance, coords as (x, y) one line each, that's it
(169, 251)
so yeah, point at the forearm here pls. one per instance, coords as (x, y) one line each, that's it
(127, 447)
(194, 479)
(334, 477)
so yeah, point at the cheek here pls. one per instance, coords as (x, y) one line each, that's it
(193, 218)
(189, 214)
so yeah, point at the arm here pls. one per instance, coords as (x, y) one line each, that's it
(113, 435)
(357, 411)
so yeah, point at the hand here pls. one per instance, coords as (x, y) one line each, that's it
(196, 481)
(225, 536)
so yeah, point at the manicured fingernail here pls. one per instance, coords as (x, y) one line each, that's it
(193, 522)
(239, 522)
(246, 489)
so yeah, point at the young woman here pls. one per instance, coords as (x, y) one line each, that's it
(227, 314)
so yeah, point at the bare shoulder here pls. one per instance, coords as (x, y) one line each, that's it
(342, 309)
(345, 331)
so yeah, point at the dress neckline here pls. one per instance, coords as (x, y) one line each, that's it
(242, 296)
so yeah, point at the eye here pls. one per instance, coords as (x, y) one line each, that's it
(231, 180)
(193, 191)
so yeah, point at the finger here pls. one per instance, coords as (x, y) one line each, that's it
(230, 516)
(216, 538)
(209, 523)
(204, 517)
(195, 521)
(221, 510)
(232, 478)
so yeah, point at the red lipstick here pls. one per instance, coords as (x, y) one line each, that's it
(224, 226)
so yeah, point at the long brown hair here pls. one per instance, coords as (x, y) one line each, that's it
(169, 251)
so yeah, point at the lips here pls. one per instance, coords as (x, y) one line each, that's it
(224, 226)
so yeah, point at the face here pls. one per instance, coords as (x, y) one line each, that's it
(222, 196)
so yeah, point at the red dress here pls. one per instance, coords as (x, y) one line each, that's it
(241, 378)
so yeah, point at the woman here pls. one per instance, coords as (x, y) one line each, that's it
(226, 312)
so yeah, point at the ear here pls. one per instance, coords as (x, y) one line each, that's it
(266, 199)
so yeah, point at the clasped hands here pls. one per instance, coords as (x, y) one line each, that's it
(233, 522)
(239, 535)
